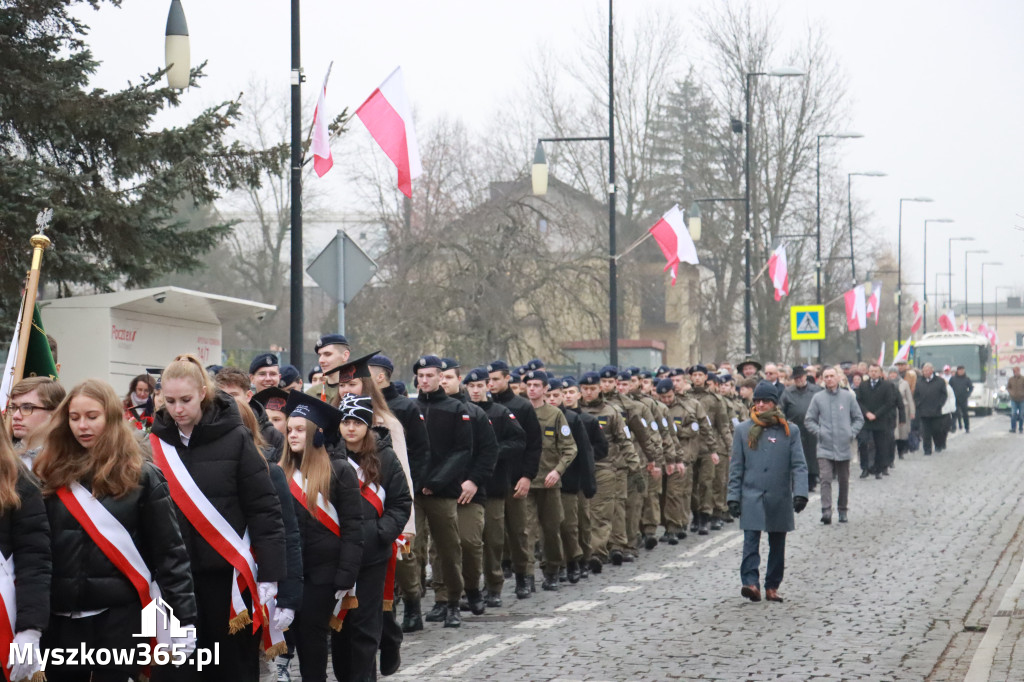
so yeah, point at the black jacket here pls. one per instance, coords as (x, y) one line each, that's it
(962, 387)
(380, 532)
(511, 445)
(882, 400)
(272, 437)
(450, 431)
(930, 396)
(485, 447)
(416, 442)
(328, 559)
(289, 591)
(25, 532)
(223, 461)
(579, 476)
(84, 579)
(527, 416)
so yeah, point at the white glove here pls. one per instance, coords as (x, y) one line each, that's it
(186, 644)
(339, 595)
(267, 591)
(283, 618)
(28, 642)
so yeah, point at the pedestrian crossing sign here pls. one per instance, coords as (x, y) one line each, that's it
(807, 322)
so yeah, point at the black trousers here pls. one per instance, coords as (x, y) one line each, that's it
(963, 420)
(882, 439)
(239, 653)
(111, 629)
(391, 636)
(312, 630)
(354, 649)
(933, 429)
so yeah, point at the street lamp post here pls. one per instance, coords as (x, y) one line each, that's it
(748, 83)
(966, 254)
(998, 287)
(849, 218)
(540, 181)
(988, 262)
(176, 48)
(817, 194)
(899, 266)
(949, 285)
(924, 251)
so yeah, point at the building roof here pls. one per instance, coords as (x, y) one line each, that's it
(175, 302)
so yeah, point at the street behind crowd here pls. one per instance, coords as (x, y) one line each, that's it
(905, 591)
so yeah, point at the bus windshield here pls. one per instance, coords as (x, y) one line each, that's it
(972, 357)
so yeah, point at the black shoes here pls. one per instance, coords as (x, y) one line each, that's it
(616, 558)
(702, 529)
(438, 612)
(716, 523)
(550, 583)
(452, 618)
(390, 660)
(878, 477)
(826, 518)
(628, 558)
(681, 535)
(412, 621)
(670, 538)
(572, 572)
(865, 473)
(492, 599)
(650, 542)
(595, 565)
(476, 602)
(522, 587)
(695, 523)
(842, 517)
(506, 568)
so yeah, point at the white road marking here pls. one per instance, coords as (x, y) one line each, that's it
(678, 564)
(704, 545)
(648, 577)
(450, 652)
(582, 605)
(466, 664)
(621, 589)
(984, 656)
(539, 624)
(724, 546)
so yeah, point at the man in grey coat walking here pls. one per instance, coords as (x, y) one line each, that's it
(835, 418)
(767, 483)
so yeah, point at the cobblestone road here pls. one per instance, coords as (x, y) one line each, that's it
(927, 570)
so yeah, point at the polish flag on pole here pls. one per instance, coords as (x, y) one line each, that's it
(881, 355)
(856, 314)
(779, 272)
(918, 318)
(674, 239)
(322, 159)
(947, 321)
(387, 115)
(874, 301)
(904, 352)
(965, 326)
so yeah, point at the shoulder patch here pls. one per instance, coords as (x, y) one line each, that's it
(654, 425)
(465, 417)
(550, 433)
(664, 422)
(511, 416)
(694, 426)
(643, 421)
(628, 434)
(566, 430)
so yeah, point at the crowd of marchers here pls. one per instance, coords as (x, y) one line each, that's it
(280, 518)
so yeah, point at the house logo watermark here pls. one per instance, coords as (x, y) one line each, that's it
(158, 620)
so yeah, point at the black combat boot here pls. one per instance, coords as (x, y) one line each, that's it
(703, 528)
(522, 587)
(550, 583)
(595, 565)
(506, 568)
(476, 602)
(531, 581)
(616, 557)
(452, 619)
(650, 542)
(716, 523)
(437, 613)
(572, 572)
(413, 621)
(492, 599)
(670, 538)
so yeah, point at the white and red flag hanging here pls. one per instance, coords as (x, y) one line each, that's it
(322, 159)
(904, 352)
(856, 310)
(918, 318)
(674, 239)
(386, 113)
(965, 326)
(778, 270)
(947, 321)
(874, 301)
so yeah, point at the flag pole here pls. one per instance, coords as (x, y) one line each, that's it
(635, 244)
(40, 242)
(312, 123)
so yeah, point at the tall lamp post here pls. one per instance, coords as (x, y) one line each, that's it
(899, 265)
(949, 285)
(924, 251)
(937, 276)
(966, 254)
(998, 287)
(785, 72)
(849, 219)
(540, 187)
(988, 262)
(817, 230)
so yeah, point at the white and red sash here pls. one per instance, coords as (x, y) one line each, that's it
(8, 609)
(371, 492)
(213, 528)
(325, 511)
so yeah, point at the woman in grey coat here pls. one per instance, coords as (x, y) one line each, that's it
(767, 483)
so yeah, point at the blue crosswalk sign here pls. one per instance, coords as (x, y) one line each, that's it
(807, 322)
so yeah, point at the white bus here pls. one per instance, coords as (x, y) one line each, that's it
(971, 350)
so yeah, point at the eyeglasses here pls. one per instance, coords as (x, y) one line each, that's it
(27, 409)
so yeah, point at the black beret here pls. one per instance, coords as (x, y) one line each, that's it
(646, 374)
(664, 386)
(554, 384)
(609, 372)
(678, 372)
(384, 361)
(330, 340)
(450, 363)
(723, 378)
(428, 361)
(316, 370)
(569, 382)
(698, 368)
(536, 363)
(478, 374)
(289, 374)
(536, 375)
(624, 375)
(263, 360)
(498, 366)
(590, 379)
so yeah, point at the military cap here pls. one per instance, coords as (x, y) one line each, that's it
(554, 384)
(522, 369)
(536, 363)
(664, 386)
(498, 366)
(210, 369)
(698, 368)
(272, 398)
(353, 369)
(766, 391)
(450, 363)
(624, 375)
(678, 372)
(536, 375)
(724, 378)
(400, 387)
(569, 382)
(358, 407)
(478, 374)
(263, 360)
(515, 378)
(384, 361)
(609, 372)
(634, 370)
(427, 362)
(289, 374)
(330, 340)
(663, 369)
(316, 370)
(590, 379)
(646, 374)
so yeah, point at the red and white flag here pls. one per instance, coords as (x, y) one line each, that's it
(947, 321)
(881, 355)
(387, 115)
(779, 272)
(322, 159)
(965, 326)
(989, 333)
(674, 239)
(918, 318)
(874, 301)
(856, 314)
(904, 352)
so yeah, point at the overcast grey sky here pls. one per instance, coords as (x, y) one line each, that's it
(935, 87)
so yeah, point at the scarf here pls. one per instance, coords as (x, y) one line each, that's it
(763, 420)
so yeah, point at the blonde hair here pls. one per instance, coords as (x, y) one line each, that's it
(187, 366)
(113, 466)
(315, 465)
(9, 467)
(251, 423)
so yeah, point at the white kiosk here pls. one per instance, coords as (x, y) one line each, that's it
(117, 336)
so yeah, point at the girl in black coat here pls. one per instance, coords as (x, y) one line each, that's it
(328, 507)
(386, 506)
(92, 602)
